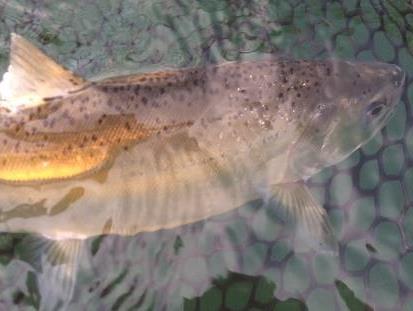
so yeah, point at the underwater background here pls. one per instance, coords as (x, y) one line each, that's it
(239, 260)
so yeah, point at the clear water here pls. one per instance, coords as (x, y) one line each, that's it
(238, 261)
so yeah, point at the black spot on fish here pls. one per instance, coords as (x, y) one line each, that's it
(52, 98)
(73, 81)
(144, 100)
(84, 99)
(136, 90)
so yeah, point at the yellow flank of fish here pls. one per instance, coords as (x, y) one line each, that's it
(21, 169)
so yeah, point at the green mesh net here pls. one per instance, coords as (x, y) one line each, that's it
(239, 261)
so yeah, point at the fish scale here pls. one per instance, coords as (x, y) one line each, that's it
(359, 271)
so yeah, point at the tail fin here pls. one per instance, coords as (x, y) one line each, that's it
(32, 76)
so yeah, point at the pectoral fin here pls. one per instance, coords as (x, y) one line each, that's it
(310, 220)
(56, 263)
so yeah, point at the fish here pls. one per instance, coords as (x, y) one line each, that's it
(156, 150)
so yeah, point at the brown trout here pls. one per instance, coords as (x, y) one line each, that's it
(156, 150)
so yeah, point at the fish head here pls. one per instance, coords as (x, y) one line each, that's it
(355, 101)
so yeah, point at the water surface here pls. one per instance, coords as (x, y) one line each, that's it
(239, 260)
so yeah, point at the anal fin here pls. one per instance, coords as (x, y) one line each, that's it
(56, 264)
(310, 220)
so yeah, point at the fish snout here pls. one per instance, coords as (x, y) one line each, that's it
(397, 76)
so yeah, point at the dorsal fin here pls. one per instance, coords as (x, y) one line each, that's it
(32, 75)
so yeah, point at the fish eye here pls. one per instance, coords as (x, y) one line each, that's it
(375, 108)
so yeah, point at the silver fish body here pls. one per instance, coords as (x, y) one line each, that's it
(183, 145)
(157, 150)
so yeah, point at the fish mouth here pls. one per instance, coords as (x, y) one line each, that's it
(398, 76)
(391, 74)
(397, 79)
(391, 91)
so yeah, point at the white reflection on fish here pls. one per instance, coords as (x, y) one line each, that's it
(150, 151)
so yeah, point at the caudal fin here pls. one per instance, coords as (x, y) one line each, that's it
(32, 76)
